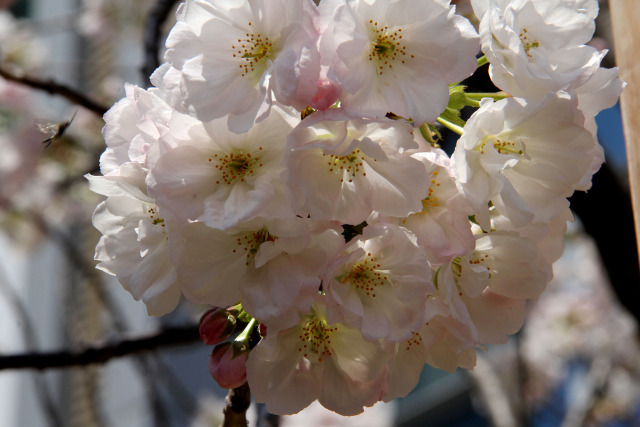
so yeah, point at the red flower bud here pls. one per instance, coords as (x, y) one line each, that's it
(216, 325)
(228, 364)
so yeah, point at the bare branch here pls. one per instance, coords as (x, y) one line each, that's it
(54, 88)
(101, 354)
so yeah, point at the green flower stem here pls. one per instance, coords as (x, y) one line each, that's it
(243, 338)
(482, 60)
(472, 102)
(452, 127)
(495, 95)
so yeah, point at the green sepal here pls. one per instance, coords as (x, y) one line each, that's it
(452, 116)
(457, 97)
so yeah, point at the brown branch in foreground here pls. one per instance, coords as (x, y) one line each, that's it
(61, 359)
(238, 401)
(54, 88)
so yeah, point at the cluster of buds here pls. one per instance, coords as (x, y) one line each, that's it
(228, 361)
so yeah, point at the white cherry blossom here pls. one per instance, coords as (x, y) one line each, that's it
(380, 283)
(134, 246)
(526, 157)
(317, 359)
(397, 55)
(135, 129)
(538, 46)
(442, 226)
(236, 56)
(339, 168)
(273, 266)
(222, 178)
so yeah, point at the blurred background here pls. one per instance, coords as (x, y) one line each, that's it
(575, 363)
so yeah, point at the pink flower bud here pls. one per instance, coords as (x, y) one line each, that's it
(228, 365)
(327, 94)
(216, 325)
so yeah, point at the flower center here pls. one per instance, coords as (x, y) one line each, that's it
(477, 258)
(249, 243)
(502, 145)
(365, 276)
(235, 167)
(347, 166)
(432, 200)
(415, 342)
(254, 50)
(528, 44)
(387, 47)
(153, 216)
(456, 267)
(315, 339)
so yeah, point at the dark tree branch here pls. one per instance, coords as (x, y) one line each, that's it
(54, 88)
(238, 401)
(101, 354)
(157, 16)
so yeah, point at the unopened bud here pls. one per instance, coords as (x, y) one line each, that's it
(216, 325)
(327, 94)
(228, 364)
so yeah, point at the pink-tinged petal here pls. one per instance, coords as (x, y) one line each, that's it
(395, 56)
(342, 169)
(317, 360)
(496, 317)
(382, 285)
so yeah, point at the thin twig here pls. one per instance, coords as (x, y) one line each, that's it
(55, 88)
(101, 354)
(156, 18)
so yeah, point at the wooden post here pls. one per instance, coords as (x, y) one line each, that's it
(626, 36)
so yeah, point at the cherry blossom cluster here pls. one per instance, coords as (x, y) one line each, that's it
(284, 169)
